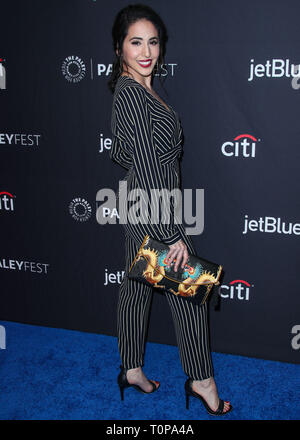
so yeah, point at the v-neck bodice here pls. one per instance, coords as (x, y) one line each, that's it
(169, 109)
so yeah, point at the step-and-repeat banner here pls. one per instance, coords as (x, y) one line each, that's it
(230, 72)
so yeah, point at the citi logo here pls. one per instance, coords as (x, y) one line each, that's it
(6, 201)
(243, 145)
(2, 75)
(237, 289)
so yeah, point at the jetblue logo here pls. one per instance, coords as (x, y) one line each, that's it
(271, 225)
(276, 68)
(104, 143)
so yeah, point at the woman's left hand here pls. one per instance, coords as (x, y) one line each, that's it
(177, 251)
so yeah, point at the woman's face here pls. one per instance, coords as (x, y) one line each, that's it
(141, 49)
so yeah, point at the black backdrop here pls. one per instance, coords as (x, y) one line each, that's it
(59, 266)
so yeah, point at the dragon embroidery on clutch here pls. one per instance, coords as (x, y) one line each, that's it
(157, 269)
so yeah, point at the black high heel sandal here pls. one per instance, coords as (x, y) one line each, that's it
(123, 383)
(190, 392)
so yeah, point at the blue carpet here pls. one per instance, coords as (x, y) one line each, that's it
(57, 374)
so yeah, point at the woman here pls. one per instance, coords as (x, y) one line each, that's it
(147, 139)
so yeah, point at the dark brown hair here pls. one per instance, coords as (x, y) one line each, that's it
(125, 17)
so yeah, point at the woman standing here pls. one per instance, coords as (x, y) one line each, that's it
(147, 138)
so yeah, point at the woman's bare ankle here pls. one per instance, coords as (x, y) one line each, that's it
(134, 370)
(204, 382)
(135, 373)
(137, 377)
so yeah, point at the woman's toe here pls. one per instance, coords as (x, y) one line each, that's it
(156, 383)
(226, 406)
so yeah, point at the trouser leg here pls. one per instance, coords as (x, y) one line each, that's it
(192, 332)
(132, 314)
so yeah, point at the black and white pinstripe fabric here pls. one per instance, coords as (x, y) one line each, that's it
(147, 142)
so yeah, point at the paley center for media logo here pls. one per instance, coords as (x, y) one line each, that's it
(74, 69)
(80, 209)
(2, 74)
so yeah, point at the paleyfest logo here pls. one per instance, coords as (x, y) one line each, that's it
(74, 69)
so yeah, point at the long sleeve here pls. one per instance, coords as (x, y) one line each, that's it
(133, 114)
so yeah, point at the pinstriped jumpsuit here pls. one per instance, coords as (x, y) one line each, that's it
(147, 142)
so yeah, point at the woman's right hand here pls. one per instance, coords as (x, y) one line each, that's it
(179, 251)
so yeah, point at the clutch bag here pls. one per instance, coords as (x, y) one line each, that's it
(195, 280)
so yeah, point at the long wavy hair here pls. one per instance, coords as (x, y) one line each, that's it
(125, 17)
